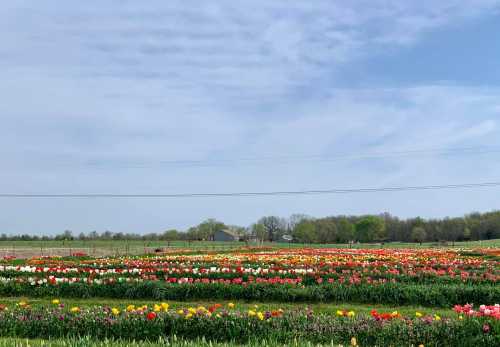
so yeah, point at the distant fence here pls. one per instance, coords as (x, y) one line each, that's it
(107, 250)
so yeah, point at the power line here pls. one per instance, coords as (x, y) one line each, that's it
(272, 193)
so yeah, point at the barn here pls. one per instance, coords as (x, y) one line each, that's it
(225, 235)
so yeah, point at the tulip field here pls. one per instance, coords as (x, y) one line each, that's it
(255, 296)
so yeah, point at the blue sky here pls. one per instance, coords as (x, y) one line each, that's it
(108, 97)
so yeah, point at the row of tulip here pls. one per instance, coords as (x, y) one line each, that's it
(228, 323)
(300, 266)
(389, 293)
(188, 275)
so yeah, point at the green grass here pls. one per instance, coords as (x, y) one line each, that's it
(361, 309)
(12, 245)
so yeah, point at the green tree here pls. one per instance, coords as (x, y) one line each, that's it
(207, 228)
(305, 232)
(170, 235)
(370, 228)
(326, 230)
(345, 231)
(418, 234)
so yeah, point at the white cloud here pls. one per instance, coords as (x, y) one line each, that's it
(92, 88)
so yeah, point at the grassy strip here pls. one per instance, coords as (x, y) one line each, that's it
(439, 295)
(119, 244)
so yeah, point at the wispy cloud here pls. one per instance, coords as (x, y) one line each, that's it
(124, 82)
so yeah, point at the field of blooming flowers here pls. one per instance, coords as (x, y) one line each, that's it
(464, 281)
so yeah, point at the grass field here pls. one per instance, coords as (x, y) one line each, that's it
(24, 249)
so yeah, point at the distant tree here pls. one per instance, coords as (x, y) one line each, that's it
(345, 231)
(370, 228)
(295, 219)
(192, 234)
(259, 231)
(467, 234)
(326, 230)
(93, 235)
(275, 227)
(452, 229)
(305, 232)
(170, 235)
(67, 235)
(207, 228)
(118, 236)
(418, 234)
(107, 235)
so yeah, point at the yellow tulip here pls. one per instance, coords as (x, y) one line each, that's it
(340, 313)
(251, 313)
(115, 311)
(164, 306)
(56, 302)
(260, 315)
(130, 308)
(436, 317)
(157, 308)
(230, 305)
(75, 309)
(189, 315)
(354, 342)
(418, 314)
(350, 314)
(180, 311)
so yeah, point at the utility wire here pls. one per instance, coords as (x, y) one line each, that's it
(272, 193)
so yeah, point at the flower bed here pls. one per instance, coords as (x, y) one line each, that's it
(431, 277)
(296, 266)
(227, 323)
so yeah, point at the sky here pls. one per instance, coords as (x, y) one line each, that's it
(162, 97)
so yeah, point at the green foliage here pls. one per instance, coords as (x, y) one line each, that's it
(370, 228)
(305, 232)
(333, 229)
(418, 234)
(241, 328)
(345, 231)
(434, 295)
(205, 230)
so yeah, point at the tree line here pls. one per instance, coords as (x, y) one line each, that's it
(305, 229)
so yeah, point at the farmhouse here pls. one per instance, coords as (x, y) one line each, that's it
(225, 235)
